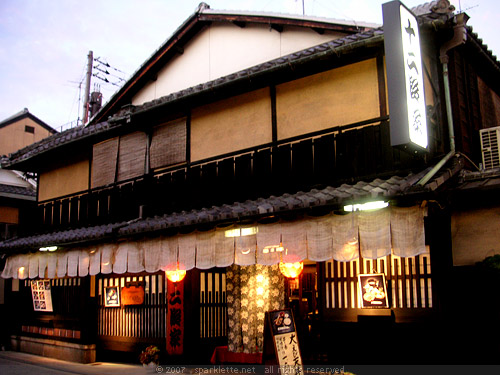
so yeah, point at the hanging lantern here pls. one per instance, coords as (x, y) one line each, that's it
(291, 270)
(176, 275)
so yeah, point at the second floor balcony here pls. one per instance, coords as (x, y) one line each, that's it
(328, 158)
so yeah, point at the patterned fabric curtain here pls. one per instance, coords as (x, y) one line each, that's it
(251, 290)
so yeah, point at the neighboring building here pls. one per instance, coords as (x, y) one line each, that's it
(17, 189)
(236, 147)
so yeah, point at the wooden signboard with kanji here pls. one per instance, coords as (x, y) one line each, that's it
(175, 318)
(132, 295)
(281, 343)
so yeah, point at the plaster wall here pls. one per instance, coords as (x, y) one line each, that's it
(64, 180)
(230, 125)
(14, 137)
(336, 97)
(222, 49)
(475, 235)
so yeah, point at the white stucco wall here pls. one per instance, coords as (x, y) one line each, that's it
(222, 49)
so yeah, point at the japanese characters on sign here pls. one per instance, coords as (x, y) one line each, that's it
(132, 295)
(405, 77)
(175, 318)
(414, 78)
(285, 341)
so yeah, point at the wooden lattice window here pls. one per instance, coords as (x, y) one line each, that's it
(213, 307)
(409, 282)
(139, 321)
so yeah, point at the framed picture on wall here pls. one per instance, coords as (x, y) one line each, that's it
(112, 296)
(372, 291)
(41, 295)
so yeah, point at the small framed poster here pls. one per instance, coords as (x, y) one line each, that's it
(372, 291)
(111, 296)
(42, 295)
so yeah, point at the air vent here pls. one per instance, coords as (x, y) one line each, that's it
(489, 147)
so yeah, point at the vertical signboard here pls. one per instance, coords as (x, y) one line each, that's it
(405, 79)
(175, 318)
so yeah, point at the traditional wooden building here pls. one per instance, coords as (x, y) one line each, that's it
(17, 189)
(251, 140)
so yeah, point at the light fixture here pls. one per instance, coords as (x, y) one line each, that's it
(176, 275)
(291, 270)
(48, 248)
(241, 232)
(366, 206)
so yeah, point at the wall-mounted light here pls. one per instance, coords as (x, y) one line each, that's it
(48, 248)
(366, 206)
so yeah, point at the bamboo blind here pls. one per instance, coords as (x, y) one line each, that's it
(104, 162)
(168, 144)
(131, 156)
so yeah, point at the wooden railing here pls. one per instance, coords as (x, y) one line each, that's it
(324, 158)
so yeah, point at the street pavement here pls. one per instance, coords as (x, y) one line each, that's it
(16, 363)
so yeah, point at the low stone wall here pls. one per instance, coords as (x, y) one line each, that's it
(67, 351)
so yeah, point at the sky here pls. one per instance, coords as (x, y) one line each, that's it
(44, 43)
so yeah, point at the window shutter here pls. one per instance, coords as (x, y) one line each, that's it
(168, 144)
(104, 162)
(131, 156)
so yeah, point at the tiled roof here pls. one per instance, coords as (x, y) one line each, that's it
(71, 236)
(56, 140)
(23, 114)
(263, 207)
(332, 48)
(16, 190)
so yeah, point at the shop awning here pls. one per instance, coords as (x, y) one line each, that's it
(341, 237)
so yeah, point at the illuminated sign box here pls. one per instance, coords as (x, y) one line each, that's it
(405, 79)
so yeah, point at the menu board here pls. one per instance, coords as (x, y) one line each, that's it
(41, 294)
(280, 325)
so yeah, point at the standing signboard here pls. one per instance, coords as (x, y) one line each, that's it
(279, 328)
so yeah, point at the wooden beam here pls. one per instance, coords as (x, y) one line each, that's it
(278, 28)
(240, 24)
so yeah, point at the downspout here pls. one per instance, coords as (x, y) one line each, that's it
(459, 37)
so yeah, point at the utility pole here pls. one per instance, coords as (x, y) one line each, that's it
(87, 87)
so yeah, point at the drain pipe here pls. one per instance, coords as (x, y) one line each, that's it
(459, 37)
